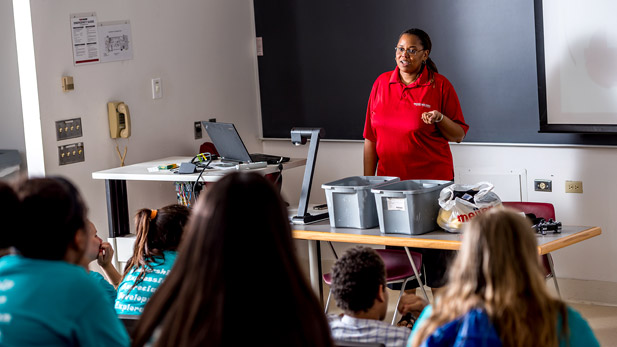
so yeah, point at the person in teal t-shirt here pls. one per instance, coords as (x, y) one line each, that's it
(496, 294)
(46, 298)
(103, 253)
(158, 236)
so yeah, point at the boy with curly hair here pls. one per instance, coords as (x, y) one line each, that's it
(359, 288)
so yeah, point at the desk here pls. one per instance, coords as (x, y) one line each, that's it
(116, 193)
(322, 231)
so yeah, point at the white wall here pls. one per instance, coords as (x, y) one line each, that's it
(204, 52)
(12, 129)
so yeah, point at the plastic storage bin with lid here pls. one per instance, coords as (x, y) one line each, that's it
(351, 203)
(408, 207)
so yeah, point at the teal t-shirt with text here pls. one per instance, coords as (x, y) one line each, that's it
(131, 299)
(54, 303)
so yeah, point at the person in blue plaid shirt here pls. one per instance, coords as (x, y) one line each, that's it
(359, 288)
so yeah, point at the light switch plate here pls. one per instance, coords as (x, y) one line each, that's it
(157, 88)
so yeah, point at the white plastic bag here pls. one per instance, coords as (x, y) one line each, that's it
(459, 203)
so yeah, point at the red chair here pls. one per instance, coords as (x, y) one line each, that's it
(541, 210)
(398, 270)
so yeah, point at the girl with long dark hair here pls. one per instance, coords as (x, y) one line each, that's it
(239, 233)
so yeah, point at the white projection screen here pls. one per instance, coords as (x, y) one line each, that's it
(576, 45)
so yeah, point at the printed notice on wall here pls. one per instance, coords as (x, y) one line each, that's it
(85, 39)
(115, 41)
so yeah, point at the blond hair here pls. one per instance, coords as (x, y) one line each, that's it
(498, 270)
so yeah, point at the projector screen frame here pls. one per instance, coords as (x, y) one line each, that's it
(545, 126)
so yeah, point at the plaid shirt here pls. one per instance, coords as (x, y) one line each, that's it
(367, 330)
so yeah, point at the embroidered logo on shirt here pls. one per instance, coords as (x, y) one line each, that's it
(421, 104)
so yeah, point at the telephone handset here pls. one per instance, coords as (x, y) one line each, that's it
(119, 119)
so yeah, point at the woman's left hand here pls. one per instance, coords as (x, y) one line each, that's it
(432, 117)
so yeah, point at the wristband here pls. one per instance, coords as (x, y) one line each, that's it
(440, 119)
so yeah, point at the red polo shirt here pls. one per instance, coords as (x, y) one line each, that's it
(406, 146)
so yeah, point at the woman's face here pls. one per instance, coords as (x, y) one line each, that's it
(406, 62)
(93, 242)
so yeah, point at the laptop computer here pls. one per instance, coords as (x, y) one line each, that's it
(228, 143)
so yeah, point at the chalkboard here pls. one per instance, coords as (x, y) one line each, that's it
(321, 58)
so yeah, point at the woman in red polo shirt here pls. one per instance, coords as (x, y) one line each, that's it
(412, 114)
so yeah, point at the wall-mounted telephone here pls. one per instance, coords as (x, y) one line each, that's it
(119, 119)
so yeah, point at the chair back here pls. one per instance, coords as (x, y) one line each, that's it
(342, 343)
(540, 209)
(129, 322)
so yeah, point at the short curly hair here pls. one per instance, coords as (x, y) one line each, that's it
(356, 277)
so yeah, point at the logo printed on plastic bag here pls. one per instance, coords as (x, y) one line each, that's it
(460, 203)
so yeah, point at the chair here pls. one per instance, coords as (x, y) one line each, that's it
(398, 270)
(129, 322)
(541, 210)
(342, 343)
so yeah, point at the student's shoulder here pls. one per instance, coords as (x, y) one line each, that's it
(580, 331)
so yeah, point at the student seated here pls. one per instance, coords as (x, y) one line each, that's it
(359, 288)
(496, 294)
(102, 253)
(239, 234)
(158, 236)
(47, 299)
(8, 211)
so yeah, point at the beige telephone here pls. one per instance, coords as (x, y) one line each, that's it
(119, 119)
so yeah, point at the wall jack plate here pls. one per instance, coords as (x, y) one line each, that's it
(542, 186)
(574, 186)
(68, 129)
(197, 130)
(70, 154)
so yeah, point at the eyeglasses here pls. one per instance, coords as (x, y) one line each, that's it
(411, 51)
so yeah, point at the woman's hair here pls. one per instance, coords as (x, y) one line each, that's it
(498, 270)
(51, 213)
(236, 278)
(157, 231)
(9, 208)
(356, 277)
(426, 45)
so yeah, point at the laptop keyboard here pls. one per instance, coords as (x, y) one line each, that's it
(270, 159)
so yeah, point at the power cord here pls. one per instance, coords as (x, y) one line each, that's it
(207, 157)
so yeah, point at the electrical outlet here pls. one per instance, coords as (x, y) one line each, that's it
(70, 154)
(574, 186)
(543, 185)
(197, 130)
(68, 129)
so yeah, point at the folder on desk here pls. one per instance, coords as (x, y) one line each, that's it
(231, 147)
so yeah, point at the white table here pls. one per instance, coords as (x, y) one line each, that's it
(115, 184)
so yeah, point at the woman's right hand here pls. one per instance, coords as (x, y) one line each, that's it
(106, 254)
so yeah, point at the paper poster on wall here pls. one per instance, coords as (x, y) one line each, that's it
(85, 39)
(115, 41)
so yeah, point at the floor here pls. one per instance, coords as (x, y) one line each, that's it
(602, 319)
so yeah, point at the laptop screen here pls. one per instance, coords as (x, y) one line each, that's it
(227, 141)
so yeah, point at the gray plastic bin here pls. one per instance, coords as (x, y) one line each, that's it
(351, 203)
(408, 207)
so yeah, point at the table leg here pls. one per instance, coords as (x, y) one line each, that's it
(314, 251)
(415, 272)
(549, 257)
(117, 208)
